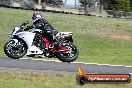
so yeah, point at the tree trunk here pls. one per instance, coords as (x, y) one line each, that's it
(100, 8)
(85, 9)
(39, 2)
(75, 3)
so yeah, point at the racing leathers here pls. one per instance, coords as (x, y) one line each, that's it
(47, 31)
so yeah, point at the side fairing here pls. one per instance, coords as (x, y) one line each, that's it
(28, 38)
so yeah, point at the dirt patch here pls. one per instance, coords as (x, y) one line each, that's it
(116, 36)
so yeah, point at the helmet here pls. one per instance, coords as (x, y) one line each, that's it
(36, 16)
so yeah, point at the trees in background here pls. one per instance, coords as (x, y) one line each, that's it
(53, 2)
(114, 5)
(89, 3)
(86, 4)
(5, 2)
(120, 5)
(120, 8)
(27, 4)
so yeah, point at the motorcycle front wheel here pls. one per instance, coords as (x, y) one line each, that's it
(69, 56)
(15, 50)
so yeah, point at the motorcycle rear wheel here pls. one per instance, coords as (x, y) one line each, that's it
(13, 51)
(65, 57)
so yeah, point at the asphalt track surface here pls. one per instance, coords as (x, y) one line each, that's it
(52, 66)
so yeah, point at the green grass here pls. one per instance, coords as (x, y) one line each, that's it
(91, 34)
(34, 80)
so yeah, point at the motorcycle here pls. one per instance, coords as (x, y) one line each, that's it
(30, 42)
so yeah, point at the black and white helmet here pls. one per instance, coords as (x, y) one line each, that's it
(36, 16)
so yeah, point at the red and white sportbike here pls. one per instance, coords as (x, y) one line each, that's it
(26, 43)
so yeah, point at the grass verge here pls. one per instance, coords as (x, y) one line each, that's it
(34, 80)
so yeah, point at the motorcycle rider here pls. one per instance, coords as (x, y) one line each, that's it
(40, 23)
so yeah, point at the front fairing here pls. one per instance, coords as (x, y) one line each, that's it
(16, 29)
(28, 37)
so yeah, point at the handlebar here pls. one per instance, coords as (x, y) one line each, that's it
(24, 24)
